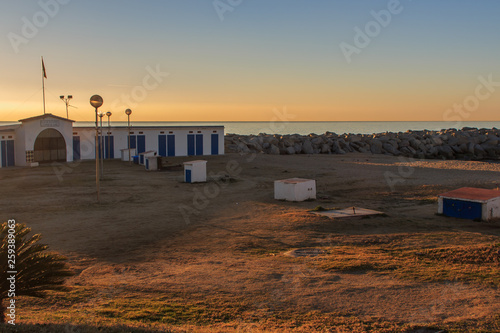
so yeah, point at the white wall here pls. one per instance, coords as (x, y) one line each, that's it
(120, 138)
(32, 128)
(491, 209)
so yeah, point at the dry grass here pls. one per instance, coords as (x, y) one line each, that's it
(141, 268)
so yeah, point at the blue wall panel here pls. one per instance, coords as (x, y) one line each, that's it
(141, 144)
(109, 146)
(215, 144)
(3, 147)
(462, 209)
(190, 144)
(199, 144)
(171, 145)
(76, 148)
(162, 145)
(10, 153)
(133, 142)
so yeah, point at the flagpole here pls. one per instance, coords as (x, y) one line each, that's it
(43, 85)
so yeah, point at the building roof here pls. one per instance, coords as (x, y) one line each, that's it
(294, 180)
(471, 193)
(136, 128)
(9, 128)
(43, 116)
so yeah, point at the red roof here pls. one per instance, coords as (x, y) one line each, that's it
(472, 193)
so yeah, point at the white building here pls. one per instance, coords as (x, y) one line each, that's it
(49, 138)
(470, 203)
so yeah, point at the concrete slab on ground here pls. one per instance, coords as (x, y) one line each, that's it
(350, 212)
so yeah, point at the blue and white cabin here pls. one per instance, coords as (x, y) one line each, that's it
(48, 138)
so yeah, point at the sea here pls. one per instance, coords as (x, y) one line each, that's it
(315, 127)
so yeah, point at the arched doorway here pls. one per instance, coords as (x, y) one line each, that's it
(50, 146)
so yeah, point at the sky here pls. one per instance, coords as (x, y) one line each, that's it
(241, 60)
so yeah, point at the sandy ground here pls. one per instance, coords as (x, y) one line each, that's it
(152, 233)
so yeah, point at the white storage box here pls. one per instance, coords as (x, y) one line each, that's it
(195, 171)
(295, 189)
(127, 154)
(151, 163)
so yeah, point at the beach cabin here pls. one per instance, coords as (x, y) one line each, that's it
(49, 139)
(144, 155)
(295, 189)
(195, 171)
(470, 203)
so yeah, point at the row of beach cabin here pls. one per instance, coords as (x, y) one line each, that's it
(48, 138)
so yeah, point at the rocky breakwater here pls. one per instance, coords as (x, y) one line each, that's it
(467, 144)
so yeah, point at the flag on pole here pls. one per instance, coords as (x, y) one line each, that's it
(43, 69)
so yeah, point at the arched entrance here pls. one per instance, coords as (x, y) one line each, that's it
(50, 146)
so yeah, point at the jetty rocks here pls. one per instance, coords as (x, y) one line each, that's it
(465, 144)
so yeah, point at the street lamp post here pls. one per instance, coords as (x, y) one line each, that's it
(128, 112)
(66, 101)
(109, 132)
(96, 101)
(101, 146)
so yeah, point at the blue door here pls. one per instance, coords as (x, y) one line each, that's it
(133, 142)
(109, 146)
(4, 153)
(100, 147)
(162, 145)
(10, 153)
(188, 176)
(190, 144)
(171, 145)
(141, 144)
(147, 164)
(199, 144)
(462, 209)
(215, 144)
(76, 148)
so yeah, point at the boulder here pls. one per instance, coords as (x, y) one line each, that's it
(274, 150)
(325, 148)
(307, 147)
(242, 147)
(298, 148)
(375, 149)
(388, 147)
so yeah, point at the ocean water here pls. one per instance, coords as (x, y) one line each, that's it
(316, 127)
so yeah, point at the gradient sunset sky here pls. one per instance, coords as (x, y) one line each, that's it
(237, 60)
